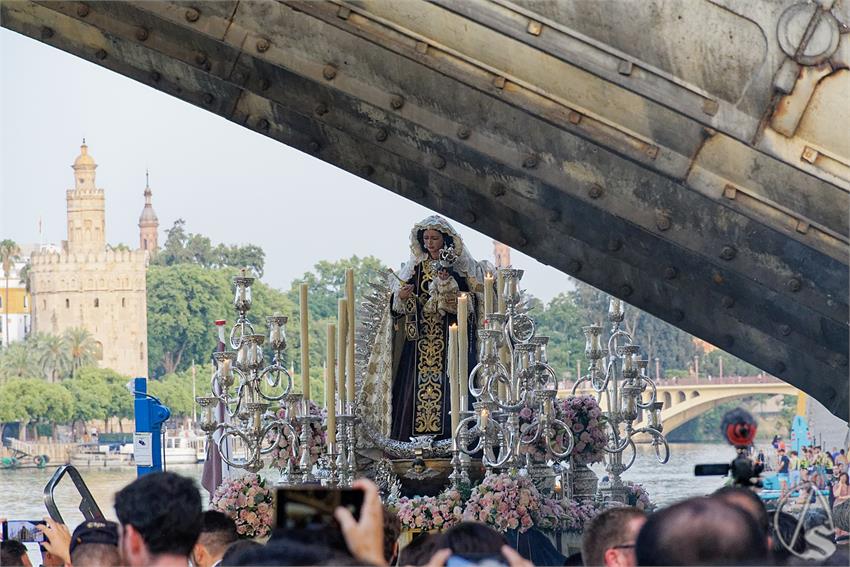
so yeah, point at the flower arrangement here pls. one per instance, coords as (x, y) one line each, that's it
(425, 513)
(583, 416)
(248, 502)
(638, 496)
(504, 503)
(282, 453)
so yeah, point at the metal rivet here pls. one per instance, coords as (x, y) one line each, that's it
(717, 278)
(381, 135)
(595, 191)
(779, 367)
(208, 98)
(499, 82)
(625, 67)
(46, 32)
(421, 47)
(367, 170)
(263, 124)
(155, 76)
(463, 133)
(329, 72)
(710, 107)
(265, 84)
(498, 189)
(530, 162)
(396, 101)
(192, 15)
(142, 34)
(678, 315)
(553, 216)
(727, 340)
(662, 221)
(626, 290)
(438, 162)
(784, 330)
(670, 273)
(794, 285)
(809, 154)
(343, 12)
(101, 54)
(728, 252)
(534, 27)
(574, 117)
(321, 109)
(652, 152)
(730, 191)
(83, 10)
(200, 58)
(615, 244)
(263, 45)
(314, 146)
(728, 301)
(574, 266)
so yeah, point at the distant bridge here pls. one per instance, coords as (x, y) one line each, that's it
(688, 398)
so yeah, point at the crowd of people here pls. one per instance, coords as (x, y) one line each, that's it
(161, 523)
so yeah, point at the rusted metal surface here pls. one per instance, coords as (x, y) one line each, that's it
(632, 168)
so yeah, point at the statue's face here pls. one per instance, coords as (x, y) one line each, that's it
(433, 240)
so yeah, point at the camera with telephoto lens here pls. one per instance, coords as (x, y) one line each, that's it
(739, 428)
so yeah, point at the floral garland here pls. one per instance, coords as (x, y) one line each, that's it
(638, 496)
(425, 513)
(583, 416)
(248, 502)
(282, 453)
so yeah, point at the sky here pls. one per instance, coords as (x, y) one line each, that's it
(227, 182)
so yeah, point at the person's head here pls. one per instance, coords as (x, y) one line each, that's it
(701, 531)
(781, 452)
(609, 538)
(841, 451)
(95, 543)
(217, 533)
(749, 502)
(432, 241)
(472, 538)
(419, 550)
(392, 531)
(13, 552)
(160, 515)
(843, 478)
(290, 552)
(235, 550)
(793, 453)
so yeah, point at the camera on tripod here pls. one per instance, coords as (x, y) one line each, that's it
(739, 428)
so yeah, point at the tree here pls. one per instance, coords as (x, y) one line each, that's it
(90, 391)
(17, 361)
(9, 254)
(182, 247)
(82, 348)
(53, 355)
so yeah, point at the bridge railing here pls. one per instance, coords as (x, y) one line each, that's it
(705, 381)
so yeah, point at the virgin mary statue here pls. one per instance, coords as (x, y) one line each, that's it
(405, 391)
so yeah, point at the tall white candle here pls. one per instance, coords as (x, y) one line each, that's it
(342, 330)
(454, 384)
(463, 349)
(488, 294)
(349, 297)
(305, 345)
(330, 385)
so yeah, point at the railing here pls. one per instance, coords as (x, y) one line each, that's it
(57, 452)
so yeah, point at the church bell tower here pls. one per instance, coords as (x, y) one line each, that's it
(148, 223)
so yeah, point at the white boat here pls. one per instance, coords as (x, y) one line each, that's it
(184, 449)
(99, 456)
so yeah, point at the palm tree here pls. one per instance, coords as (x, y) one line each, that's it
(81, 348)
(9, 252)
(16, 361)
(53, 356)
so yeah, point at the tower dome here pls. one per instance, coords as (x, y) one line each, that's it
(84, 160)
(148, 222)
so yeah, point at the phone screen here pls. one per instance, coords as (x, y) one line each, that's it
(23, 531)
(313, 508)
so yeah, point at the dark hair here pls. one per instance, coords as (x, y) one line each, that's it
(96, 554)
(701, 531)
(392, 531)
(11, 552)
(419, 550)
(785, 525)
(235, 551)
(748, 501)
(605, 531)
(289, 552)
(217, 531)
(448, 240)
(472, 538)
(165, 508)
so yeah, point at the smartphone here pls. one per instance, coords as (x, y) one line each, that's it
(477, 560)
(313, 508)
(23, 530)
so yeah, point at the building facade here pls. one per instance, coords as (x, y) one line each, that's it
(91, 285)
(14, 306)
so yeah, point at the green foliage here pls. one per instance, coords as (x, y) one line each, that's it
(82, 348)
(175, 390)
(16, 361)
(182, 247)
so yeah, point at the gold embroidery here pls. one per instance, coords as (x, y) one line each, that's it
(427, 415)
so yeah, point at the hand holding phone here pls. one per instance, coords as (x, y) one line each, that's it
(24, 531)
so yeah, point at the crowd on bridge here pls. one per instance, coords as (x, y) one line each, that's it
(161, 522)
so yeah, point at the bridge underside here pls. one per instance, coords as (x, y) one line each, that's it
(671, 154)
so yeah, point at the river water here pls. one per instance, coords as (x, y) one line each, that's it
(21, 490)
